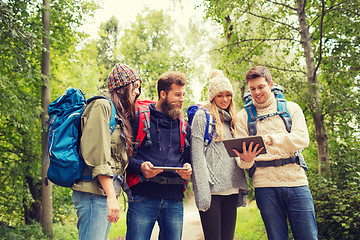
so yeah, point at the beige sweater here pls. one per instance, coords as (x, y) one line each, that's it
(282, 144)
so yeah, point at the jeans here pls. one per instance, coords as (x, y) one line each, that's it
(91, 211)
(277, 204)
(143, 212)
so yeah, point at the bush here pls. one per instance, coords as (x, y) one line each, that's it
(63, 208)
(337, 199)
(23, 232)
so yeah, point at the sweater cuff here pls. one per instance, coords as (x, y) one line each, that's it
(242, 164)
(103, 169)
(135, 165)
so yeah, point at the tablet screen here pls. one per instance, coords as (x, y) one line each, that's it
(237, 143)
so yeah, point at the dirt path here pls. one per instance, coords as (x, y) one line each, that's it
(192, 226)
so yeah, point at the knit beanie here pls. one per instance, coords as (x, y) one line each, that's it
(122, 75)
(218, 83)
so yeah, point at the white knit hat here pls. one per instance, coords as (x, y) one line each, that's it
(218, 83)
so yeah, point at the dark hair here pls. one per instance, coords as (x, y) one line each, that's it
(125, 109)
(258, 71)
(167, 79)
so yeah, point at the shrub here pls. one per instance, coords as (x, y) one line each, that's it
(337, 199)
(23, 232)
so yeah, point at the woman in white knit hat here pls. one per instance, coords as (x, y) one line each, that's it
(219, 185)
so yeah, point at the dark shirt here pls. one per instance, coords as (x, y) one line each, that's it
(164, 151)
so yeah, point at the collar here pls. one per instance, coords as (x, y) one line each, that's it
(266, 104)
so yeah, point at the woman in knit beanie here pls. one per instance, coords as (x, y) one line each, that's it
(219, 185)
(106, 154)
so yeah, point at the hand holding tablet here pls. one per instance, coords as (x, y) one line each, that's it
(170, 168)
(237, 143)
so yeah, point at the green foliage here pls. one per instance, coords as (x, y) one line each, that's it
(64, 208)
(337, 200)
(107, 48)
(32, 232)
(78, 69)
(147, 45)
(20, 93)
(66, 231)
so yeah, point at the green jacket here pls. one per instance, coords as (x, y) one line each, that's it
(103, 153)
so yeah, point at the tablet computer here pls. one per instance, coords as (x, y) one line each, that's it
(237, 143)
(170, 168)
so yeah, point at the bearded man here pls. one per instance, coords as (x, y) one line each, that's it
(159, 196)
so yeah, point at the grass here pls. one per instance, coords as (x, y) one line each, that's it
(68, 231)
(249, 225)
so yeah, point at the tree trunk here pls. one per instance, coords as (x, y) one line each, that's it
(320, 130)
(46, 189)
(32, 210)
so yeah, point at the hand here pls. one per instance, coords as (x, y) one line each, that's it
(248, 156)
(185, 173)
(113, 209)
(148, 171)
(267, 140)
(111, 200)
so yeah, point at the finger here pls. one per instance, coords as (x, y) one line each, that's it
(148, 166)
(258, 151)
(244, 147)
(251, 147)
(255, 148)
(187, 165)
(235, 151)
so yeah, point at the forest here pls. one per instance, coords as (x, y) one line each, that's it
(312, 48)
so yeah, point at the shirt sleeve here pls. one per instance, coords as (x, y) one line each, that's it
(96, 140)
(200, 175)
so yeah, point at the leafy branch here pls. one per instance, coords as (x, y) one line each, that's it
(272, 20)
(282, 4)
(246, 40)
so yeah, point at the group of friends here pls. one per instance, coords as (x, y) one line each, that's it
(219, 181)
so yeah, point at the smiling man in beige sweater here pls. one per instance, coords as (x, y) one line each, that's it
(281, 186)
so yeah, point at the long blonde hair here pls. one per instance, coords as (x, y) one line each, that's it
(219, 120)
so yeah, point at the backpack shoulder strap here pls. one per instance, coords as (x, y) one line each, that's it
(114, 117)
(252, 118)
(143, 119)
(183, 128)
(284, 113)
(210, 127)
(278, 91)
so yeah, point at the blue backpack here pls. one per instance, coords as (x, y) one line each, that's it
(64, 133)
(253, 118)
(210, 122)
(282, 111)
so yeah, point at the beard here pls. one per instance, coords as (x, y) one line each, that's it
(174, 109)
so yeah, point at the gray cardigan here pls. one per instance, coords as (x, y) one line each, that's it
(213, 170)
